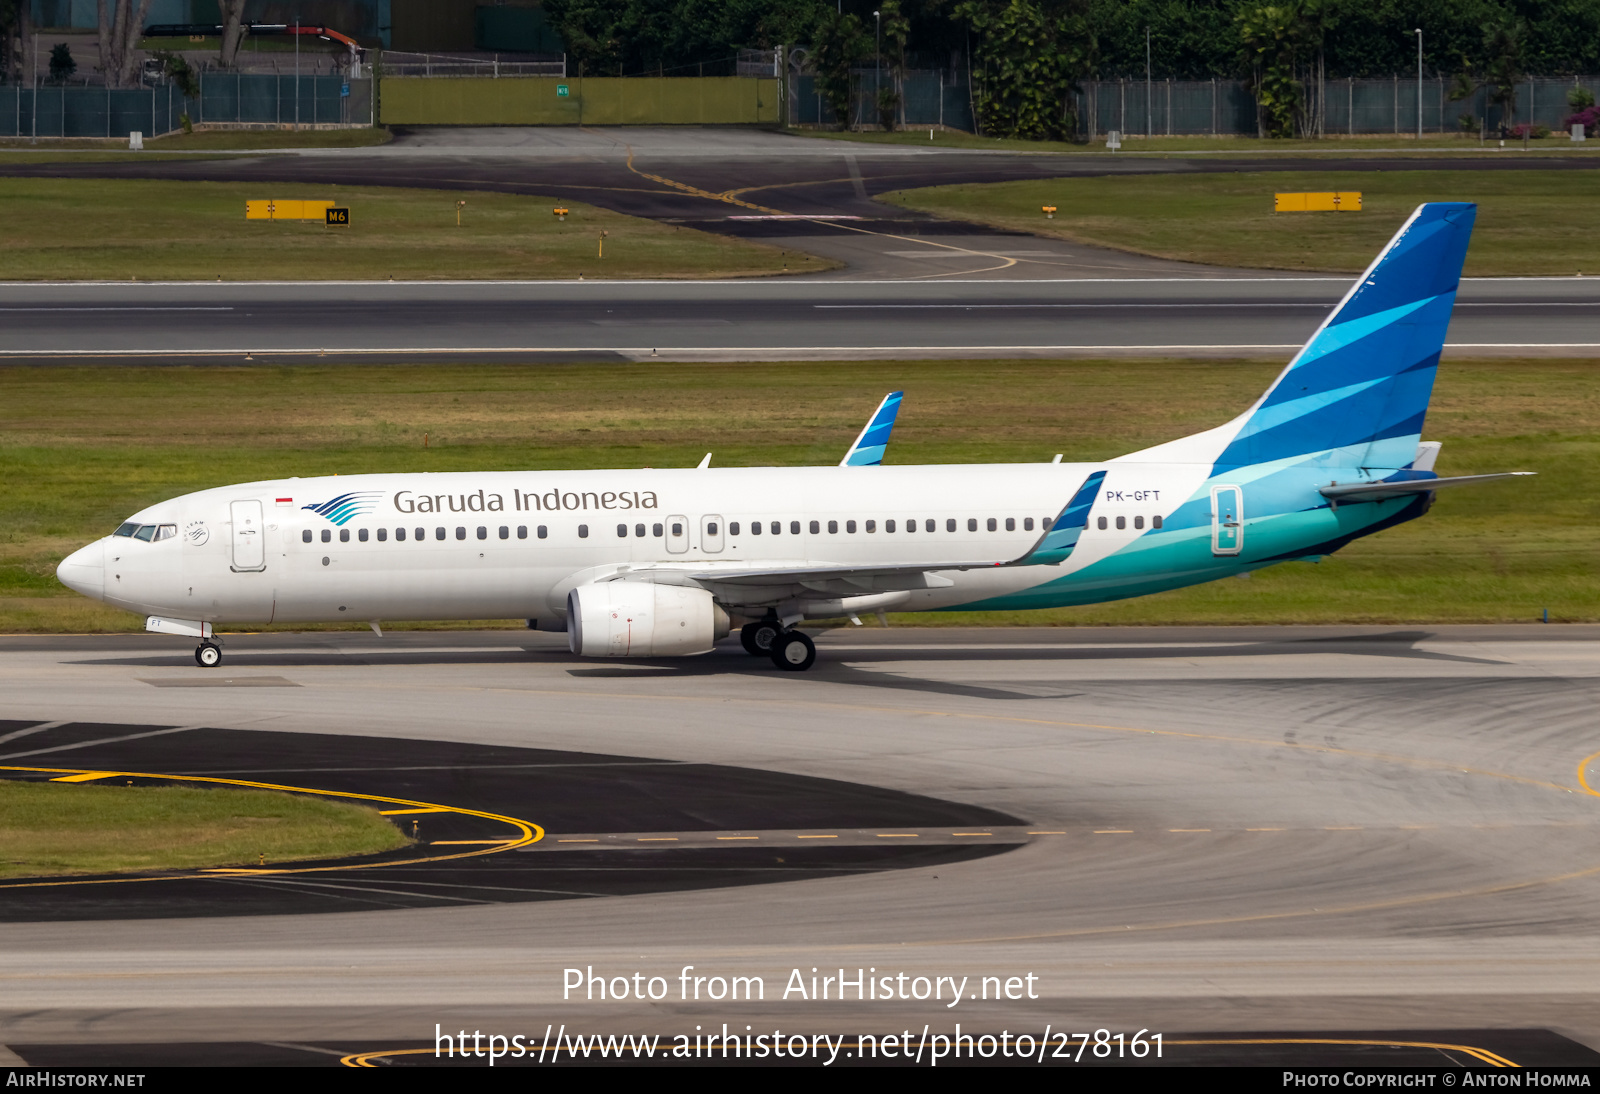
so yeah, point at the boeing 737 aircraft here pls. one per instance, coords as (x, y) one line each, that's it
(657, 563)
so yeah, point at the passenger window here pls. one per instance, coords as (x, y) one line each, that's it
(583, 531)
(461, 533)
(622, 531)
(483, 533)
(383, 535)
(833, 527)
(362, 535)
(1101, 524)
(794, 528)
(872, 526)
(638, 530)
(888, 526)
(505, 533)
(1011, 524)
(993, 524)
(399, 535)
(126, 529)
(1155, 522)
(755, 528)
(657, 530)
(930, 526)
(305, 536)
(972, 524)
(1027, 524)
(950, 525)
(1122, 522)
(733, 529)
(1138, 522)
(850, 526)
(777, 527)
(677, 529)
(911, 525)
(815, 527)
(327, 535)
(544, 532)
(422, 534)
(522, 532)
(344, 535)
(438, 533)
(711, 529)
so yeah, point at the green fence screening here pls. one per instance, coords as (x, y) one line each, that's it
(609, 100)
(224, 97)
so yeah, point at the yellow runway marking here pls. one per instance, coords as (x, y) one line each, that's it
(738, 837)
(1113, 831)
(816, 837)
(975, 833)
(1062, 833)
(530, 832)
(452, 842)
(87, 776)
(404, 812)
(728, 197)
(897, 835)
(1263, 829)
(1188, 829)
(658, 839)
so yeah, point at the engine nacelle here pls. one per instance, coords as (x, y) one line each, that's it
(642, 619)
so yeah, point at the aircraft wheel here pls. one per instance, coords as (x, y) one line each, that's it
(758, 637)
(793, 651)
(208, 655)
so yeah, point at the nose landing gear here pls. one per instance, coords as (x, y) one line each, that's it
(208, 655)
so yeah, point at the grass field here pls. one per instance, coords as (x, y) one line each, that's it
(1529, 222)
(1137, 145)
(81, 448)
(50, 828)
(64, 229)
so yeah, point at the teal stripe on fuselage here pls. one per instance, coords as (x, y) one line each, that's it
(1173, 558)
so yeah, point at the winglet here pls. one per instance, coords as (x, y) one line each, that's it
(703, 464)
(867, 451)
(1061, 537)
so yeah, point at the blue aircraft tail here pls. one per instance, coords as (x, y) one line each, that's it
(869, 447)
(1356, 395)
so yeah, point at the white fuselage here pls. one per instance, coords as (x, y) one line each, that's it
(512, 544)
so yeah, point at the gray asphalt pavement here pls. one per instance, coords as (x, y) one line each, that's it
(1227, 828)
(756, 319)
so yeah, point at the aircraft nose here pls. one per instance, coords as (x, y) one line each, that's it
(84, 570)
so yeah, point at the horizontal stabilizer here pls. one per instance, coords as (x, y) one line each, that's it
(1383, 491)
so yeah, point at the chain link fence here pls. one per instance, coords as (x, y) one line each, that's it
(225, 98)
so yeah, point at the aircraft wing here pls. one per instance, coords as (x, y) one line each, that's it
(867, 451)
(1383, 491)
(1053, 546)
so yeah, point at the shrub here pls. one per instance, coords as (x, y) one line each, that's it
(1589, 119)
(1527, 132)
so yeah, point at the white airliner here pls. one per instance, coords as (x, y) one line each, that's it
(654, 563)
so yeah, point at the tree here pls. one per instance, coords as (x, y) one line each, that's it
(1272, 36)
(62, 66)
(232, 12)
(837, 43)
(121, 26)
(1030, 54)
(1503, 43)
(896, 29)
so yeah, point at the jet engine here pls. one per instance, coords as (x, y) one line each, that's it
(642, 619)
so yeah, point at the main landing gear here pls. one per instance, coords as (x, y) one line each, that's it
(792, 651)
(208, 655)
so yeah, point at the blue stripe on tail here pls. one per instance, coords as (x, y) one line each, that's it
(1363, 382)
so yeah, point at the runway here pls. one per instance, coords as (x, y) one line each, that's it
(767, 319)
(1232, 830)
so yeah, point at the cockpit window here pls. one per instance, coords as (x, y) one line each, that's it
(127, 529)
(166, 531)
(146, 532)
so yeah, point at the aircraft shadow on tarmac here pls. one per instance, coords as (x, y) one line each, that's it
(489, 799)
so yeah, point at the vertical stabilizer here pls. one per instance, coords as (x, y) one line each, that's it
(1356, 395)
(874, 439)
